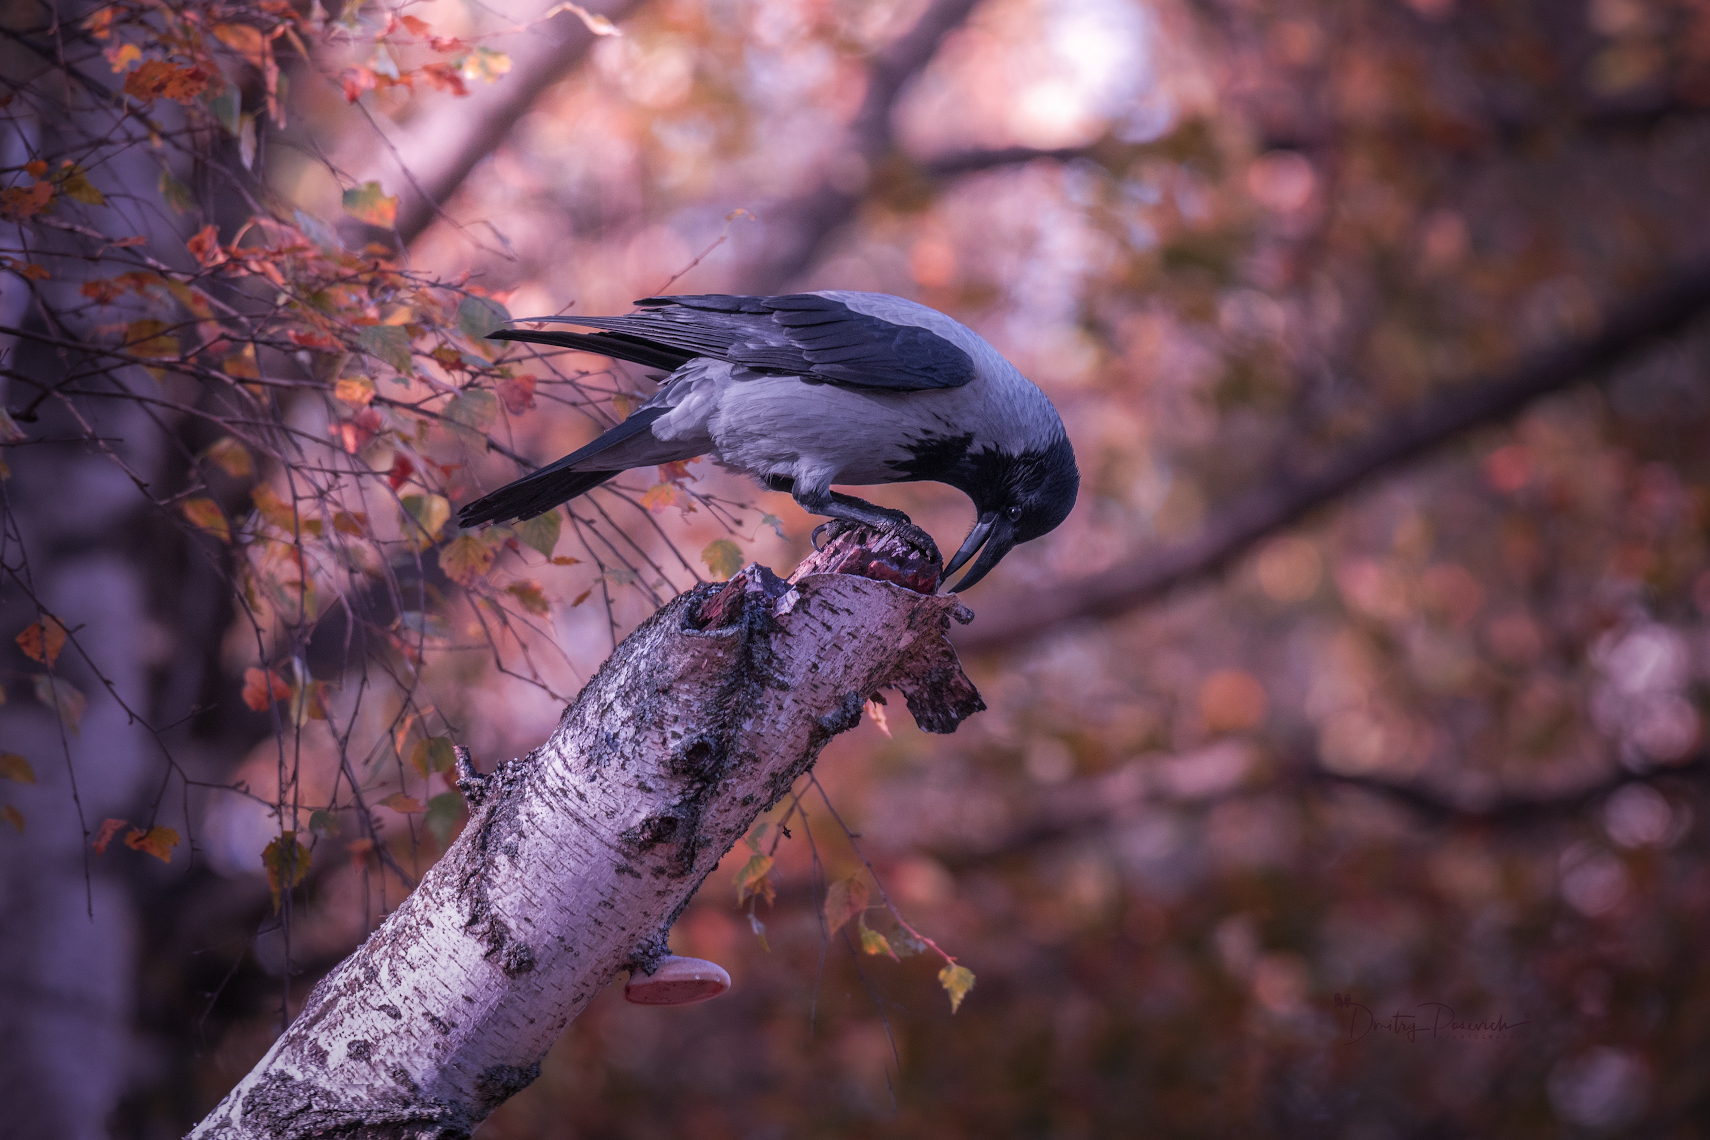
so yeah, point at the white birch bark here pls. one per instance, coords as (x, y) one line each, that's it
(578, 857)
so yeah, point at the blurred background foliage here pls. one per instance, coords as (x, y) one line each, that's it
(1219, 861)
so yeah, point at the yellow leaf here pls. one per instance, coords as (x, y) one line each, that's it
(957, 981)
(399, 802)
(424, 516)
(872, 942)
(74, 184)
(231, 456)
(42, 640)
(206, 514)
(844, 900)
(355, 390)
(156, 841)
(722, 557)
(752, 880)
(149, 338)
(287, 863)
(465, 559)
(243, 39)
(122, 56)
(241, 364)
(368, 203)
(15, 767)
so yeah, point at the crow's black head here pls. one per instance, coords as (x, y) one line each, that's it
(1018, 497)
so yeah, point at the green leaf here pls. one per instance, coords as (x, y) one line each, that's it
(287, 863)
(318, 232)
(58, 694)
(478, 316)
(776, 523)
(957, 981)
(541, 532)
(473, 409)
(444, 812)
(369, 204)
(227, 108)
(176, 194)
(433, 755)
(74, 184)
(752, 880)
(722, 557)
(754, 837)
(323, 823)
(389, 343)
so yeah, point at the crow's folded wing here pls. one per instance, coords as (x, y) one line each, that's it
(802, 334)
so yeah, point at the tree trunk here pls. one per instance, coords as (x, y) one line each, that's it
(578, 857)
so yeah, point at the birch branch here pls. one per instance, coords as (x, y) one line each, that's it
(577, 858)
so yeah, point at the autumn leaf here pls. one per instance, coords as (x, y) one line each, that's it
(58, 694)
(400, 471)
(175, 193)
(752, 880)
(424, 517)
(399, 802)
(358, 390)
(287, 864)
(593, 21)
(18, 204)
(42, 640)
(876, 713)
(517, 394)
(323, 823)
(156, 841)
(529, 593)
(844, 900)
(206, 514)
(14, 817)
(243, 39)
(433, 755)
(541, 532)
(722, 557)
(565, 560)
(104, 836)
(75, 184)
(957, 981)
(872, 942)
(121, 56)
(262, 687)
(350, 522)
(149, 338)
(388, 343)
(368, 203)
(483, 63)
(415, 27)
(465, 558)
(156, 79)
(663, 495)
(241, 364)
(676, 471)
(478, 316)
(204, 246)
(15, 767)
(231, 457)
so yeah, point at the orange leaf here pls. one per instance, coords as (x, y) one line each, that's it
(262, 687)
(368, 203)
(243, 39)
(18, 204)
(42, 640)
(13, 816)
(34, 272)
(528, 592)
(205, 246)
(399, 802)
(349, 522)
(416, 27)
(517, 394)
(156, 841)
(156, 78)
(675, 471)
(122, 56)
(231, 457)
(845, 899)
(662, 495)
(105, 836)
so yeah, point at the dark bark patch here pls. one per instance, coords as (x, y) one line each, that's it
(498, 1083)
(358, 1050)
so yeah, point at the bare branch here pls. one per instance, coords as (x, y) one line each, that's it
(1288, 497)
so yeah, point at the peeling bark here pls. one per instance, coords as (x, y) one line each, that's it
(578, 857)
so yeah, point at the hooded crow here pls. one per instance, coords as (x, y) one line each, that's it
(813, 389)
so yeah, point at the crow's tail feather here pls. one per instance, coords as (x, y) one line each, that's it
(531, 495)
(623, 346)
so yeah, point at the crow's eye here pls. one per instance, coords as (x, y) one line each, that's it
(1014, 514)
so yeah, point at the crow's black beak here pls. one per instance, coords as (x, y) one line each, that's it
(992, 531)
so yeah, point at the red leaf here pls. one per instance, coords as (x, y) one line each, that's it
(518, 394)
(262, 687)
(42, 640)
(402, 469)
(105, 836)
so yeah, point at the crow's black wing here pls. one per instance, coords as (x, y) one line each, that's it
(801, 334)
